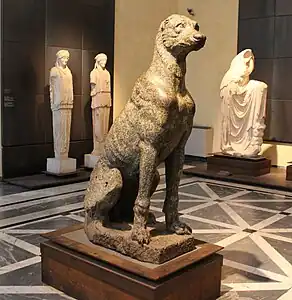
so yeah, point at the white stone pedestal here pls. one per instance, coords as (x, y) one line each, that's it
(61, 166)
(90, 160)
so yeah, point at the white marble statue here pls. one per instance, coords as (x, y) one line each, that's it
(101, 103)
(61, 98)
(243, 108)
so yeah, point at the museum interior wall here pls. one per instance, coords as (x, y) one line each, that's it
(205, 68)
(136, 24)
(33, 31)
(265, 26)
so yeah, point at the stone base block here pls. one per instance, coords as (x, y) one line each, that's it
(163, 245)
(61, 166)
(90, 160)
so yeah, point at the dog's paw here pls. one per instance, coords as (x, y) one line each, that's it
(179, 227)
(141, 235)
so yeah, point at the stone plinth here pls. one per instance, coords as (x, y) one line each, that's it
(90, 160)
(163, 245)
(61, 166)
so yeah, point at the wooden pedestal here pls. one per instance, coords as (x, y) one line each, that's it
(289, 173)
(86, 271)
(239, 165)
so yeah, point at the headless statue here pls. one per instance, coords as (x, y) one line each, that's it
(243, 108)
(101, 102)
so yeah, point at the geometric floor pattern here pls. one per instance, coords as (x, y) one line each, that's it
(254, 226)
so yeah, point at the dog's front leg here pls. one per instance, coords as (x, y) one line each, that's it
(146, 176)
(173, 167)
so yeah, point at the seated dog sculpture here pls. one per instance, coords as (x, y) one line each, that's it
(153, 128)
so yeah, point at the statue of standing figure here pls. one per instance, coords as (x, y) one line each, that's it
(101, 103)
(61, 98)
(243, 108)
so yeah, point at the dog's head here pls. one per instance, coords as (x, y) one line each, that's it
(181, 35)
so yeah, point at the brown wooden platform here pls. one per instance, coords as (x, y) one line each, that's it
(83, 270)
(276, 179)
(289, 173)
(239, 165)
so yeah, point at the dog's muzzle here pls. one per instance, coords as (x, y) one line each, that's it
(199, 40)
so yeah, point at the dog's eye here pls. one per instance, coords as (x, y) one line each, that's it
(180, 25)
(197, 27)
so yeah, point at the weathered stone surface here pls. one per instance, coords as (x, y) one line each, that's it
(153, 128)
(162, 247)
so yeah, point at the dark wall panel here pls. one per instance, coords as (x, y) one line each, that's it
(32, 34)
(283, 7)
(265, 26)
(283, 41)
(64, 23)
(256, 8)
(259, 35)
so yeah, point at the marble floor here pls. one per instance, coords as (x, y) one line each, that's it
(253, 224)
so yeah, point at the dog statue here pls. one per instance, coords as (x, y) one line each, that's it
(153, 128)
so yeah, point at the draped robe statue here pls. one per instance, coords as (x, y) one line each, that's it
(101, 102)
(243, 108)
(61, 98)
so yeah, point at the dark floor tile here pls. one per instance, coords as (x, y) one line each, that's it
(181, 205)
(277, 205)
(81, 214)
(212, 237)
(223, 191)
(10, 254)
(283, 223)
(284, 248)
(261, 295)
(158, 195)
(248, 253)
(157, 214)
(194, 189)
(252, 195)
(200, 225)
(8, 189)
(34, 239)
(232, 275)
(27, 276)
(214, 212)
(56, 223)
(251, 216)
(40, 207)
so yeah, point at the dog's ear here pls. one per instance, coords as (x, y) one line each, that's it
(164, 24)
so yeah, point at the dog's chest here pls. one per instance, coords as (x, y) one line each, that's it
(185, 107)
